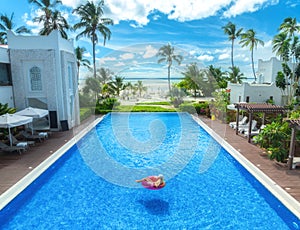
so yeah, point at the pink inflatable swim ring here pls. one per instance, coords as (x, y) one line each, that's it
(149, 185)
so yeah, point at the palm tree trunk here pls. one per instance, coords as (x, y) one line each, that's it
(94, 55)
(253, 65)
(169, 79)
(232, 44)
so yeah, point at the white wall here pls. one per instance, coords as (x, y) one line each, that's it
(4, 55)
(51, 54)
(267, 70)
(258, 93)
(6, 96)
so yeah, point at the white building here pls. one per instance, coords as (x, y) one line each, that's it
(264, 89)
(40, 71)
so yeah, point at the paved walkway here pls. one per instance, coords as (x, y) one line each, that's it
(287, 179)
(13, 166)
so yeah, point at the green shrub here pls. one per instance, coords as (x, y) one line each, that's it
(85, 113)
(187, 108)
(106, 105)
(86, 100)
(275, 138)
(201, 108)
(4, 108)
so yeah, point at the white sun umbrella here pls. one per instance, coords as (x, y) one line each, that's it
(13, 120)
(33, 112)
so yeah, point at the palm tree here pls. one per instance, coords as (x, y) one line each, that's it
(281, 46)
(233, 33)
(219, 76)
(6, 23)
(287, 46)
(92, 85)
(116, 85)
(289, 26)
(235, 76)
(57, 22)
(92, 22)
(168, 55)
(249, 39)
(104, 75)
(193, 79)
(140, 87)
(79, 51)
(47, 17)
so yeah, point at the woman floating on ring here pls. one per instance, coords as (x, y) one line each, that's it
(153, 182)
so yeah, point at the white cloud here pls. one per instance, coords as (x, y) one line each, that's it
(127, 56)
(150, 52)
(205, 58)
(73, 3)
(224, 56)
(119, 64)
(138, 11)
(192, 52)
(107, 59)
(242, 6)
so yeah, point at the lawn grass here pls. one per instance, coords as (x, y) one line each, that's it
(139, 107)
(142, 108)
(154, 103)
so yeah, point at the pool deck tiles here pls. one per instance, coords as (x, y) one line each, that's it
(14, 167)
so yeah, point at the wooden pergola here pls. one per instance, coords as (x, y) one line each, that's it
(256, 108)
(295, 125)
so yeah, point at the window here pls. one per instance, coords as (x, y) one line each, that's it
(5, 74)
(35, 79)
(70, 76)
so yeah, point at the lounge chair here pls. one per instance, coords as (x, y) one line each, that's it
(6, 148)
(34, 137)
(241, 122)
(296, 162)
(16, 142)
(243, 128)
(254, 132)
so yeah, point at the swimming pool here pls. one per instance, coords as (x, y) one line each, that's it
(92, 185)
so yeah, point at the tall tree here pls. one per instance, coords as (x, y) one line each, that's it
(116, 85)
(235, 76)
(7, 23)
(104, 75)
(57, 22)
(281, 46)
(50, 17)
(249, 39)
(286, 45)
(92, 85)
(79, 51)
(140, 87)
(167, 54)
(93, 23)
(232, 32)
(193, 80)
(219, 76)
(289, 26)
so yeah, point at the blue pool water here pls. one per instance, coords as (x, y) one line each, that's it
(92, 186)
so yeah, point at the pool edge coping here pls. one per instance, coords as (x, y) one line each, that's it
(24, 182)
(283, 196)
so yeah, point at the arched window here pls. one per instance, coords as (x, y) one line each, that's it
(35, 79)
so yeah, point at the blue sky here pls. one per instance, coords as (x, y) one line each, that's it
(193, 27)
